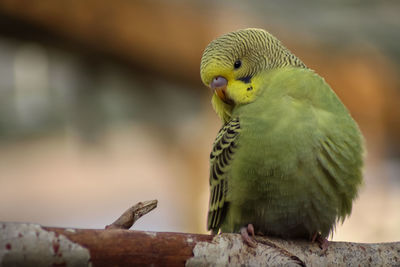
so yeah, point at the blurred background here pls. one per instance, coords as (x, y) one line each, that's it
(101, 104)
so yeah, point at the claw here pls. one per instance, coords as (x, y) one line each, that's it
(250, 230)
(314, 237)
(323, 242)
(245, 231)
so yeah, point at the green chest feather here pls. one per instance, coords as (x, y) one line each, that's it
(289, 162)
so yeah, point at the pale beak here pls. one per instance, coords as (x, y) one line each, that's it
(219, 84)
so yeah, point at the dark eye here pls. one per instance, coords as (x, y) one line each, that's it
(237, 64)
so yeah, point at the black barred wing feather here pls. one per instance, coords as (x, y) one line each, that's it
(223, 151)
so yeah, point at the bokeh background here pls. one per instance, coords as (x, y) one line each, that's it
(101, 104)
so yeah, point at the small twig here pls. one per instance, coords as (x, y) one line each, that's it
(130, 216)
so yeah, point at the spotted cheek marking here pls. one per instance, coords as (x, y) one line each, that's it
(250, 93)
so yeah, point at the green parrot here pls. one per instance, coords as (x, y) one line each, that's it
(288, 159)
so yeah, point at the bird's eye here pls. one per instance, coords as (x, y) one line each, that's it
(237, 64)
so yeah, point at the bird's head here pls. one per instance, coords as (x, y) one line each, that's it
(231, 62)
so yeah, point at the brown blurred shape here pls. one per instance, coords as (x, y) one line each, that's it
(169, 37)
(166, 37)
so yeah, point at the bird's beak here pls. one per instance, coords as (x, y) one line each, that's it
(219, 84)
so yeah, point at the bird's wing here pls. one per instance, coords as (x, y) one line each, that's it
(220, 158)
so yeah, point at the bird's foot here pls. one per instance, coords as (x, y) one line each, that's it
(323, 242)
(245, 231)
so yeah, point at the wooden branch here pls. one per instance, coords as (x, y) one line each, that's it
(130, 216)
(33, 245)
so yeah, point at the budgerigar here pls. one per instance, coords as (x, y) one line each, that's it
(288, 159)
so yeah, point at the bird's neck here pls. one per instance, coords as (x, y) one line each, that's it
(223, 110)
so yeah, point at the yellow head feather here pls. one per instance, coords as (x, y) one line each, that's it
(239, 56)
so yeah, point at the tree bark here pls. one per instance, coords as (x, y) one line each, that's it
(24, 244)
(131, 215)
